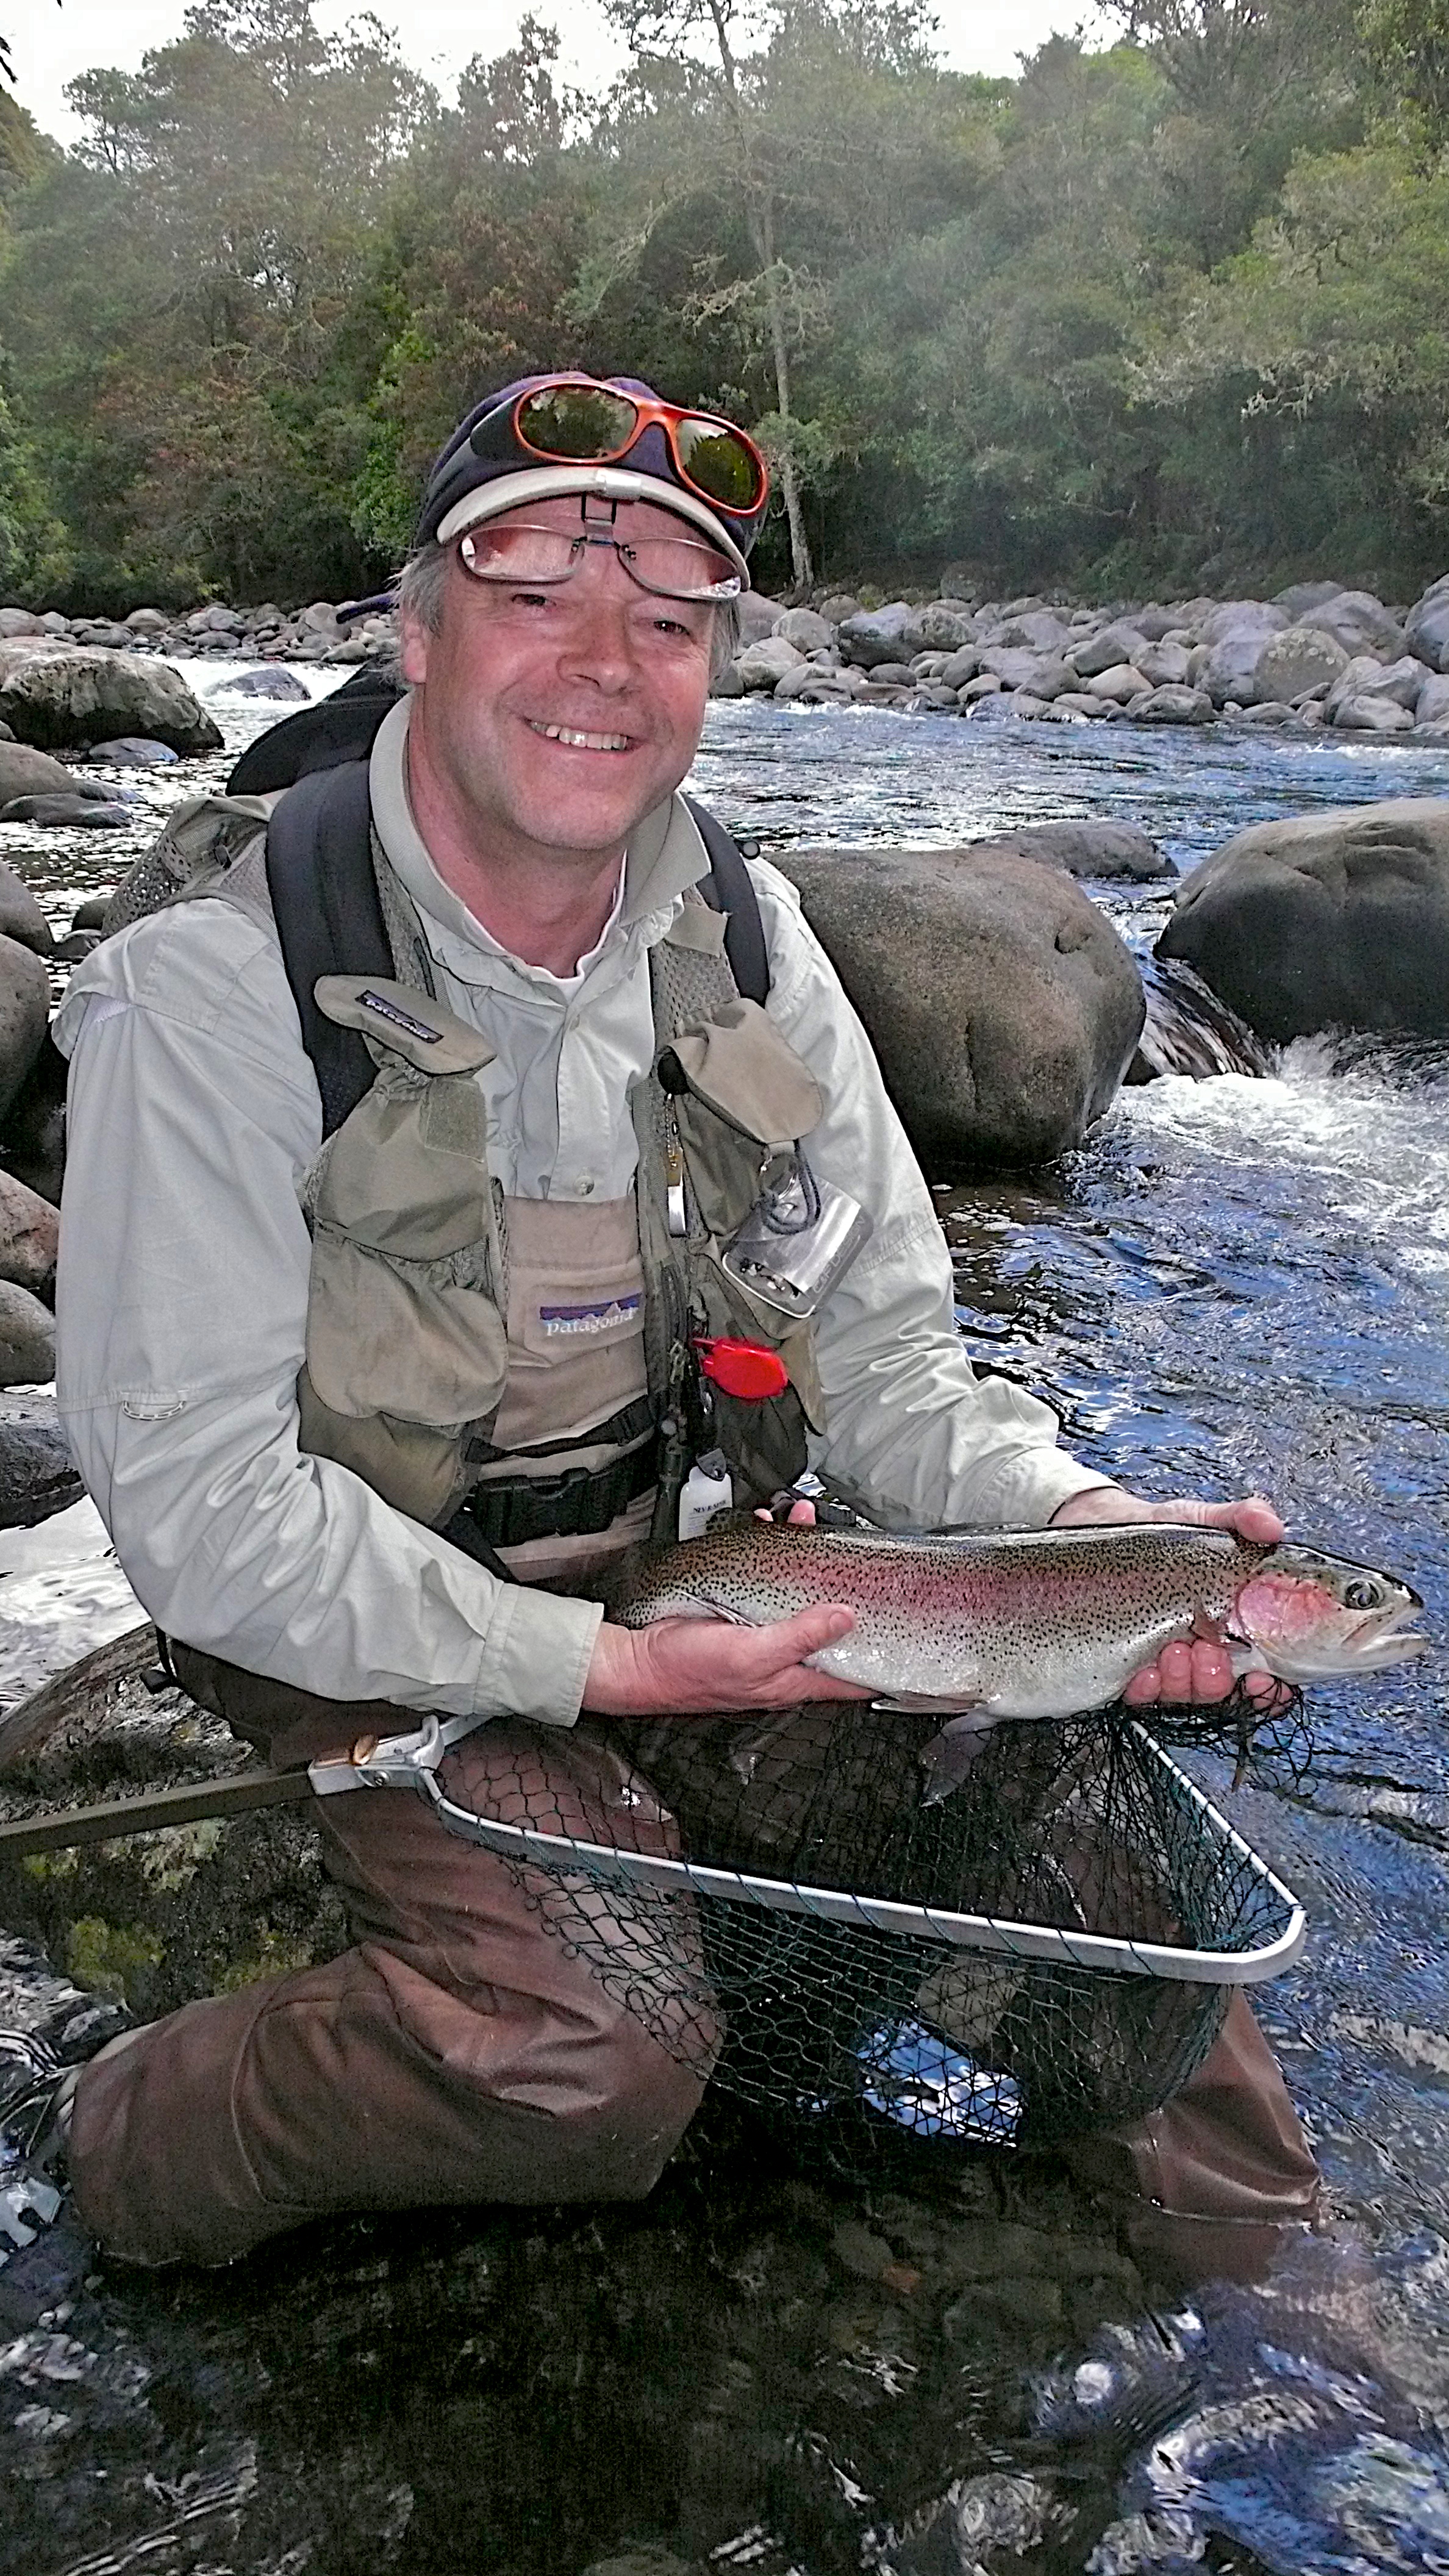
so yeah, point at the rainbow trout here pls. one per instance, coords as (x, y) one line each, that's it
(985, 1625)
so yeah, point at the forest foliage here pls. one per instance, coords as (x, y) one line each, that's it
(1170, 312)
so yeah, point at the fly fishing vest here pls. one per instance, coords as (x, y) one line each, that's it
(519, 1374)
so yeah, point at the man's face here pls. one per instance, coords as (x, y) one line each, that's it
(558, 718)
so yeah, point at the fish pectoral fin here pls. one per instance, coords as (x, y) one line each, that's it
(948, 1757)
(924, 1704)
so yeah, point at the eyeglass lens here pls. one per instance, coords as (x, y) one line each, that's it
(529, 553)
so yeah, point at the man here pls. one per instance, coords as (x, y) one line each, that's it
(356, 1362)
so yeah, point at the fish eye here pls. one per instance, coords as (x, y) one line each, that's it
(1360, 1596)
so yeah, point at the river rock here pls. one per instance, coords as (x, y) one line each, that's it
(218, 619)
(131, 751)
(83, 813)
(1335, 919)
(1121, 683)
(1432, 703)
(27, 1338)
(24, 1015)
(1090, 847)
(271, 681)
(25, 772)
(19, 621)
(808, 632)
(29, 1236)
(54, 696)
(1107, 651)
(1359, 622)
(1040, 675)
(1164, 666)
(755, 617)
(20, 915)
(148, 621)
(888, 634)
(1363, 677)
(1300, 596)
(1426, 628)
(761, 665)
(32, 1128)
(37, 1472)
(1036, 630)
(945, 625)
(1175, 706)
(1001, 1002)
(1296, 660)
(1239, 617)
(1227, 667)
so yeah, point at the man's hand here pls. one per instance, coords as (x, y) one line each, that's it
(691, 1666)
(1200, 1669)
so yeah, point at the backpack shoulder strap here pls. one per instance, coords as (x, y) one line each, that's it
(329, 918)
(728, 889)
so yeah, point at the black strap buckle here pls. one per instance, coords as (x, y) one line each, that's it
(580, 1503)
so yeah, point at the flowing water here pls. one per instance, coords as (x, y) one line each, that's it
(1237, 1283)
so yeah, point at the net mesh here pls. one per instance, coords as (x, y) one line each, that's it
(877, 2037)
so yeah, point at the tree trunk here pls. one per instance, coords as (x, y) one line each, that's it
(763, 230)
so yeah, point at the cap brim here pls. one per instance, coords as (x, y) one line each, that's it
(607, 482)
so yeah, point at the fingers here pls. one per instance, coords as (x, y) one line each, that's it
(1253, 1518)
(1184, 1674)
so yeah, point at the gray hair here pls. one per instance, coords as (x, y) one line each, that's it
(420, 595)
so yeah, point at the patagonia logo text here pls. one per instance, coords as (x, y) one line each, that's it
(591, 1319)
(400, 1019)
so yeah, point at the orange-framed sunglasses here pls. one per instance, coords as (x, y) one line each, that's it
(573, 421)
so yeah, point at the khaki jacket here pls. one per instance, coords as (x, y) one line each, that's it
(185, 1262)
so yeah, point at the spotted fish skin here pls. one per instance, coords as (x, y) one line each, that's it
(1031, 1623)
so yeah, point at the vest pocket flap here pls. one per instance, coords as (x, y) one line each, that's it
(407, 1173)
(379, 1341)
(738, 1063)
(407, 1023)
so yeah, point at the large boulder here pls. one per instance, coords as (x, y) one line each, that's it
(19, 621)
(1042, 675)
(27, 1338)
(1332, 920)
(29, 1236)
(1240, 617)
(24, 1016)
(945, 625)
(1035, 630)
(53, 696)
(1300, 596)
(1226, 667)
(273, 680)
(888, 634)
(1164, 666)
(37, 1472)
(72, 813)
(1171, 705)
(755, 616)
(762, 665)
(25, 772)
(1294, 661)
(20, 915)
(1398, 682)
(1122, 684)
(1002, 1004)
(32, 1129)
(1086, 847)
(1359, 622)
(808, 632)
(1426, 628)
(1105, 651)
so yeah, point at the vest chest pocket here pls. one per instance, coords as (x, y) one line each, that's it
(401, 1313)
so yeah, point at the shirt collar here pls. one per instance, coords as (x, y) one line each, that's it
(665, 855)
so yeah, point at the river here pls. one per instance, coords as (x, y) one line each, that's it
(1236, 1283)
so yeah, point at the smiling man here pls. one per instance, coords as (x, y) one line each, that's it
(402, 1152)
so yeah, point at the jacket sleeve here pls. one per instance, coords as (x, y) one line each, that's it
(181, 1313)
(911, 1430)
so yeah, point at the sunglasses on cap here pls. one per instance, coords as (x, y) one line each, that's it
(524, 554)
(572, 421)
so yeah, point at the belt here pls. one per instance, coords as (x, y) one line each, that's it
(577, 1504)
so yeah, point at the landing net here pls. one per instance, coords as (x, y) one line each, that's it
(877, 2022)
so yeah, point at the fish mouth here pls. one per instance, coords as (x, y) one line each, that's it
(1377, 1640)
